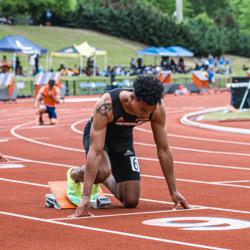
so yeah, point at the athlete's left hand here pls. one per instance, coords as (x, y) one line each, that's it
(179, 199)
(82, 208)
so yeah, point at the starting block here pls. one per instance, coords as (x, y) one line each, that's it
(59, 200)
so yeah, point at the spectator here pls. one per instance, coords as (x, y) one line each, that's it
(75, 70)
(36, 64)
(165, 62)
(132, 64)
(18, 67)
(139, 63)
(5, 67)
(48, 17)
(173, 65)
(181, 65)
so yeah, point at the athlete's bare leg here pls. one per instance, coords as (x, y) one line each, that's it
(128, 192)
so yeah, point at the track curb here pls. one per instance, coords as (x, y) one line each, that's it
(186, 120)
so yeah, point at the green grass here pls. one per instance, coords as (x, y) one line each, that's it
(119, 50)
(218, 116)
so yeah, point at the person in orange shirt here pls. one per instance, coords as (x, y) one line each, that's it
(46, 100)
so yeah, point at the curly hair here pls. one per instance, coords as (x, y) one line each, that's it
(148, 89)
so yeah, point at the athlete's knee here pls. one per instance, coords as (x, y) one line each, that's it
(131, 202)
(53, 121)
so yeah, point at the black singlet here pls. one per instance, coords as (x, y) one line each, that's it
(120, 130)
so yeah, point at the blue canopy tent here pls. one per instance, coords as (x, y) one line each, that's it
(156, 51)
(179, 51)
(20, 45)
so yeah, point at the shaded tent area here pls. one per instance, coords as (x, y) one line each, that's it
(20, 45)
(80, 51)
(15, 45)
(165, 76)
(172, 51)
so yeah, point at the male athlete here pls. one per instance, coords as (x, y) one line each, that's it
(108, 141)
(46, 100)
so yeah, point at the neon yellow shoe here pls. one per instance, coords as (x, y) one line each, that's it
(74, 190)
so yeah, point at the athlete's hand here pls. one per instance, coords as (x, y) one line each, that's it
(82, 208)
(179, 199)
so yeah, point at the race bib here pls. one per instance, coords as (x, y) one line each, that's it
(134, 164)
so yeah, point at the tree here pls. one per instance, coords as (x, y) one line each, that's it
(36, 8)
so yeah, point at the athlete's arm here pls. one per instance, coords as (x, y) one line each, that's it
(57, 97)
(38, 98)
(102, 116)
(164, 154)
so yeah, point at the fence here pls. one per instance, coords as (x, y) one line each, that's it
(95, 85)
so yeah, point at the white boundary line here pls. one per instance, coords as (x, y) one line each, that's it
(182, 243)
(128, 214)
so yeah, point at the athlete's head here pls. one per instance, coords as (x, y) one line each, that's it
(51, 83)
(148, 92)
(148, 89)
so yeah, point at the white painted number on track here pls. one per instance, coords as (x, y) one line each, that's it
(199, 223)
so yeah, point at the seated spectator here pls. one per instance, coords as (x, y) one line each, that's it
(132, 64)
(62, 69)
(5, 67)
(18, 67)
(139, 63)
(181, 65)
(76, 70)
(165, 63)
(173, 65)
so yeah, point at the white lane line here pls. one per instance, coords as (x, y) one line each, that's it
(195, 150)
(197, 164)
(141, 199)
(156, 177)
(4, 140)
(196, 181)
(222, 182)
(120, 233)
(9, 165)
(73, 127)
(196, 138)
(41, 162)
(24, 182)
(39, 142)
(127, 214)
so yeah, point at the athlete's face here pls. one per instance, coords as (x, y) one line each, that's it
(142, 109)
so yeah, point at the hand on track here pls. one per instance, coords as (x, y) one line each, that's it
(179, 199)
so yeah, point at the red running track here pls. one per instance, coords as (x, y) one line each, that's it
(212, 170)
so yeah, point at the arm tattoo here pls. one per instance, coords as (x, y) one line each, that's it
(105, 107)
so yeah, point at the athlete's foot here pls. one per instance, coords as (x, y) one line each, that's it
(2, 158)
(40, 119)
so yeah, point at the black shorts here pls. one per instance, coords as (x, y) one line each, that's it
(51, 112)
(122, 157)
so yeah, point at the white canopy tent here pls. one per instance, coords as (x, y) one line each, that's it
(80, 51)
